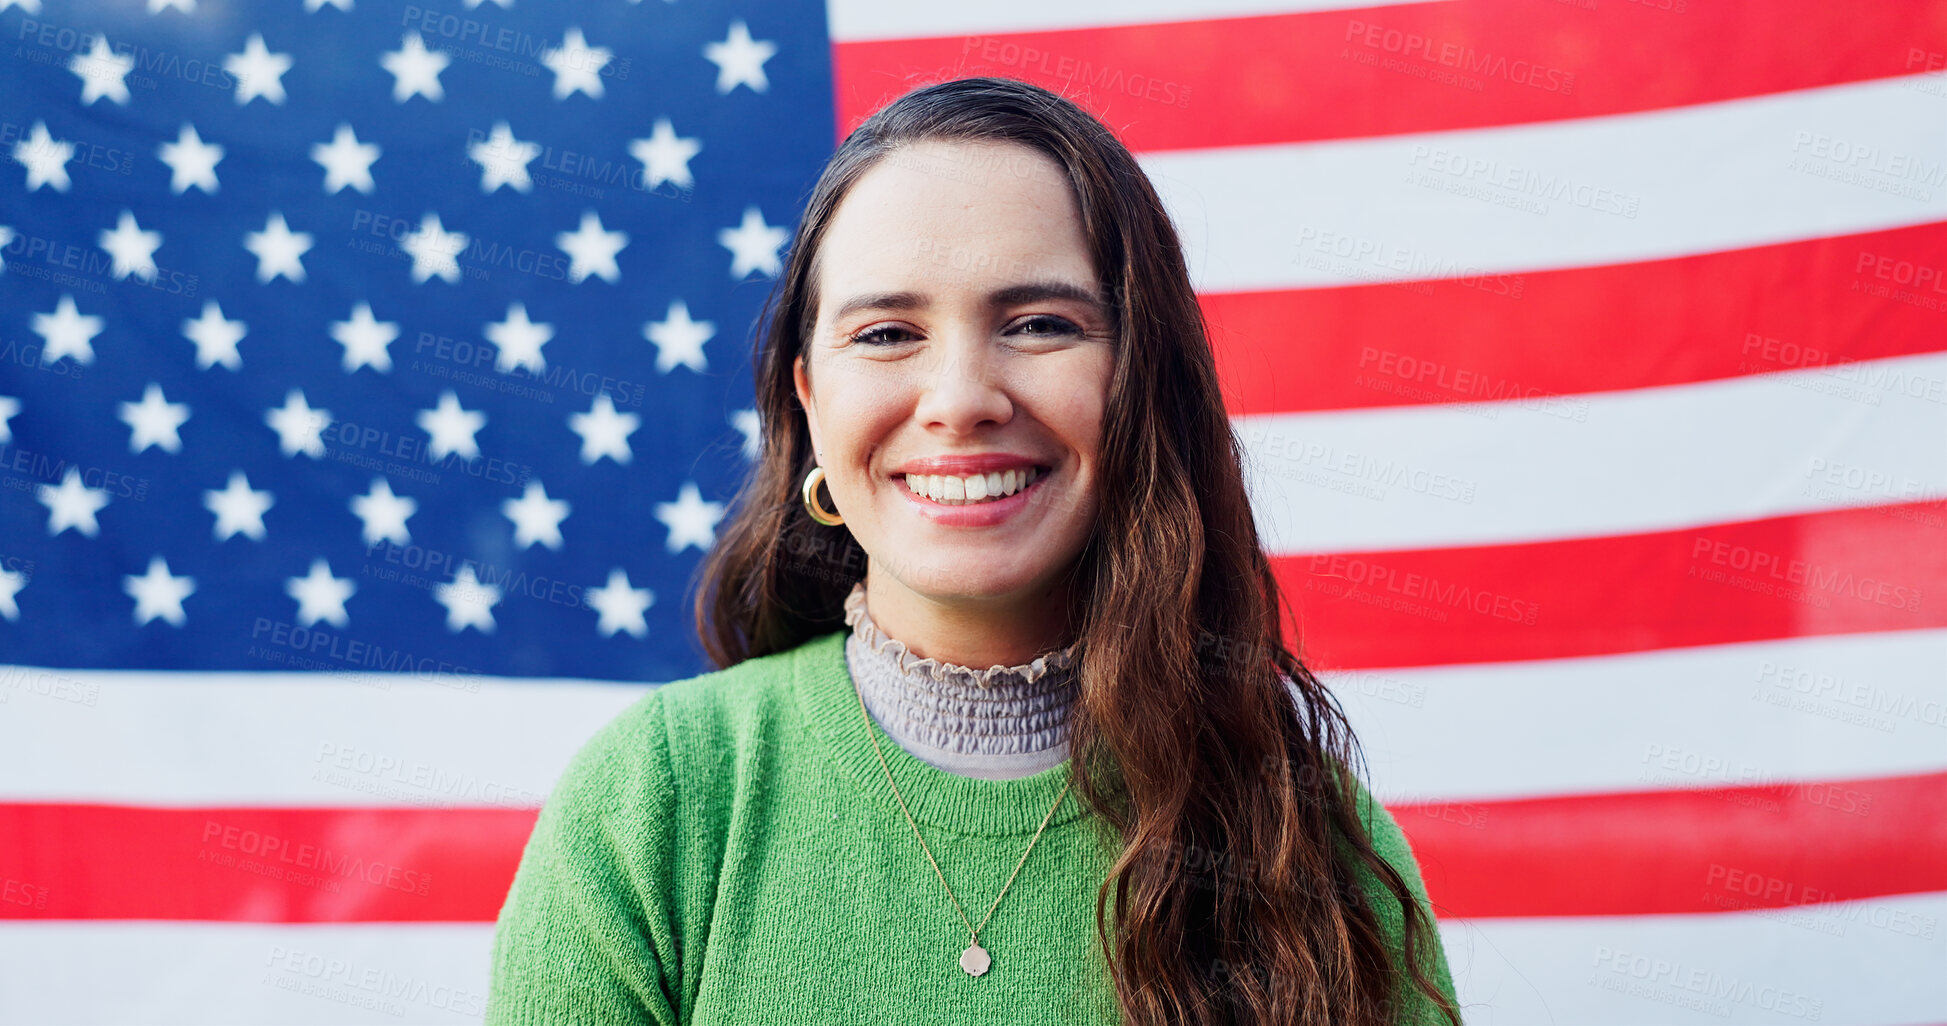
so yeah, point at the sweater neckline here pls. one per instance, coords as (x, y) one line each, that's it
(937, 798)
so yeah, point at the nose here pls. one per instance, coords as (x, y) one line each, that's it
(966, 389)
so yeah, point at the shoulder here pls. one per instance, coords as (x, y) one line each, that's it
(659, 736)
(1390, 844)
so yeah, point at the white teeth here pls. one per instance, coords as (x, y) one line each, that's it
(951, 490)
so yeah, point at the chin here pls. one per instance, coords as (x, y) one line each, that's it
(969, 577)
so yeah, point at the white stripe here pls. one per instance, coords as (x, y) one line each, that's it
(1803, 709)
(858, 20)
(1807, 708)
(1875, 961)
(290, 739)
(176, 972)
(1862, 962)
(1700, 179)
(1552, 467)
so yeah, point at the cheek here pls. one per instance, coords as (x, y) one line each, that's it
(859, 413)
(1070, 401)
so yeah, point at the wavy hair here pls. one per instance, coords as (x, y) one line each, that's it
(1205, 747)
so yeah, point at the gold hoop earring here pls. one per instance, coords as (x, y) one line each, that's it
(818, 513)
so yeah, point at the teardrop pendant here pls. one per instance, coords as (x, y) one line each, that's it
(975, 960)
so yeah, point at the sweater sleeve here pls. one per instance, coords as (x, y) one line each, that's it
(1390, 844)
(587, 931)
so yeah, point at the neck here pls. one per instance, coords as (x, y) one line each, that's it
(988, 631)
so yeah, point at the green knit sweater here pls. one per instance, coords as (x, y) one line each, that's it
(726, 851)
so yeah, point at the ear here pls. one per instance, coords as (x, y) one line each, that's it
(802, 380)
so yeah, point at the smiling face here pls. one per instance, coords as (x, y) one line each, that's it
(962, 348)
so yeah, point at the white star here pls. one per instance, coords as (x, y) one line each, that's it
(186, 6)
(320, 596)
(30, 6)
(471, 4)
(216, 339)
(279, 250)
(365, 339)
(131, 249)
(258, 71)
(620, 605)
(740, 59)
(384, 514)
(451, 428)
(346, 160)
(592, 250)
(299, 427)
(238, 509)
(313, 6)
(415, 69)
(67, 332)
(690, 520)
(156, 593)
(519, 340)
(748, 425)
(8, 407)
(11, 581)
(45, 158)
(103, 72)
(603, 431)
(6, 238)
(467, 601)
(664, 157)
(753, 245)
(191, 161)
(434, 250)
(154, 421)
(503, 159)
(679, 339)
(73, 504)
(536, 517)
(577, 66)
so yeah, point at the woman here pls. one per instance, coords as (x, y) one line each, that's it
(1007, 731)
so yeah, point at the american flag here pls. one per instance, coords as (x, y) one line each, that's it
(373, 376)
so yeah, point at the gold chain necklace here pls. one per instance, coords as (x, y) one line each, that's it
(975, 960)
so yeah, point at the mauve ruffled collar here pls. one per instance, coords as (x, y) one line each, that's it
(878, 642)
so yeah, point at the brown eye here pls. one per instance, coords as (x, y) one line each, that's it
(879, 335)
(1048, 325)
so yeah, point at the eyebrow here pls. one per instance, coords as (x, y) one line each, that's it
(1006, 295)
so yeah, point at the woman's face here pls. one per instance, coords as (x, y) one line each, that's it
(958, 372)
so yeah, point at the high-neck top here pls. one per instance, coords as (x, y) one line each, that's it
(997, 723)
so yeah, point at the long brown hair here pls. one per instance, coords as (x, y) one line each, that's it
(1235, 896)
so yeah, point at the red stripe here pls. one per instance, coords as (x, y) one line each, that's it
(1652, 852)
(1341, 74)
(1876, 568)
(1794, 306)
(1711, 850)
(308, 865)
